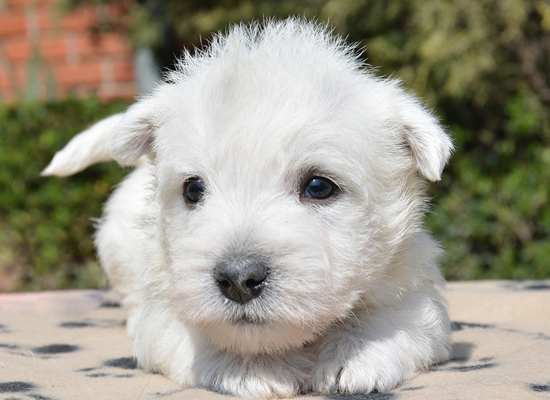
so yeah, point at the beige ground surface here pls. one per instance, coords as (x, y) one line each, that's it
(72, 345)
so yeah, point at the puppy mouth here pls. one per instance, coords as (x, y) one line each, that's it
(244, 319)
(247, 334)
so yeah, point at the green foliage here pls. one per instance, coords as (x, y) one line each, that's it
(484, 66)
(45, 223)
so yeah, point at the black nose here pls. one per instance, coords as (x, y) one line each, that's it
(241, 279)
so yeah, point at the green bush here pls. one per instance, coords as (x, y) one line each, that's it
(46, 223)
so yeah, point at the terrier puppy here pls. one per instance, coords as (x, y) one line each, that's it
(270, 240)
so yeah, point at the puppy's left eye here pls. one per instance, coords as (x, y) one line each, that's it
(193, 190)
(318, 188)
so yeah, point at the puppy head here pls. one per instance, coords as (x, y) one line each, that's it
(286, 176)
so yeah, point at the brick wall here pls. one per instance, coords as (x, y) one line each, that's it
(46, 55)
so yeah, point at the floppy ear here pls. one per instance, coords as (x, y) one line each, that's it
(133, 136)
(87, 148)
(430, 146)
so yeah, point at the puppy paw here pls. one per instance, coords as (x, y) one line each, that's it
(257, 386)
(382, 349)
(360, 365)
(359, 375)
(258, 377)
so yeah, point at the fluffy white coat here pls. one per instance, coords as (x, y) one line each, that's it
(352, 301)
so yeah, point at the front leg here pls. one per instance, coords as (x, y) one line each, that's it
(257, 376)
(382, 347)
(186, 355)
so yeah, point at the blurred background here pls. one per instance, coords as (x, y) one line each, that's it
(483, 65)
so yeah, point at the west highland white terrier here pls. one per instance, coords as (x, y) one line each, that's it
(270, 242)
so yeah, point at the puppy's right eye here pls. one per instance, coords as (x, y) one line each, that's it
(193, 190)
(319, 188)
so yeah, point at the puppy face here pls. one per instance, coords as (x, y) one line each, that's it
(287, 182)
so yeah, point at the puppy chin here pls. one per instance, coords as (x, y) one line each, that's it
(246, 337)
(259, 327)
(274, 323)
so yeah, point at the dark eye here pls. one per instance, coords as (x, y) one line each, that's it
(319, 188)
(193, 190)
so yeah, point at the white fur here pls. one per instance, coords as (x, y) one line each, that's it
(352, 302)
(85, 149)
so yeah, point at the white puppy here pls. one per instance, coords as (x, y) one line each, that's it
(270, 241)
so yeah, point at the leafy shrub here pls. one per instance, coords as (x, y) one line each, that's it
(46, 224)
(491, 209)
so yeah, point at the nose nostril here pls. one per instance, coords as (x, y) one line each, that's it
(223, 283)
(253, 283)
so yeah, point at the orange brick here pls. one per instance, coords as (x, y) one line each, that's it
(67, 50)
(4, 82)
(14, 5)
(82, 73)
(17, 4)
(12, 23)
(17, 48)
(123, 70)
(51, 20)
(107, 44)
(81, 19)
(52, 48)
(85, 45)
(112, 44)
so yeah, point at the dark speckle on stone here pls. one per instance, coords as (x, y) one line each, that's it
(110, 304)
(537, 286)
(412, 388)
(98, 375)
(8, 346)
(86, 369)
(56, 349)
(171, 392)
(458, 326)
(16, 387)
(458, 359)
(124, 363)
(76, 324)
(540, 388)
(468, 368)
(38, 396)
(370, 396)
